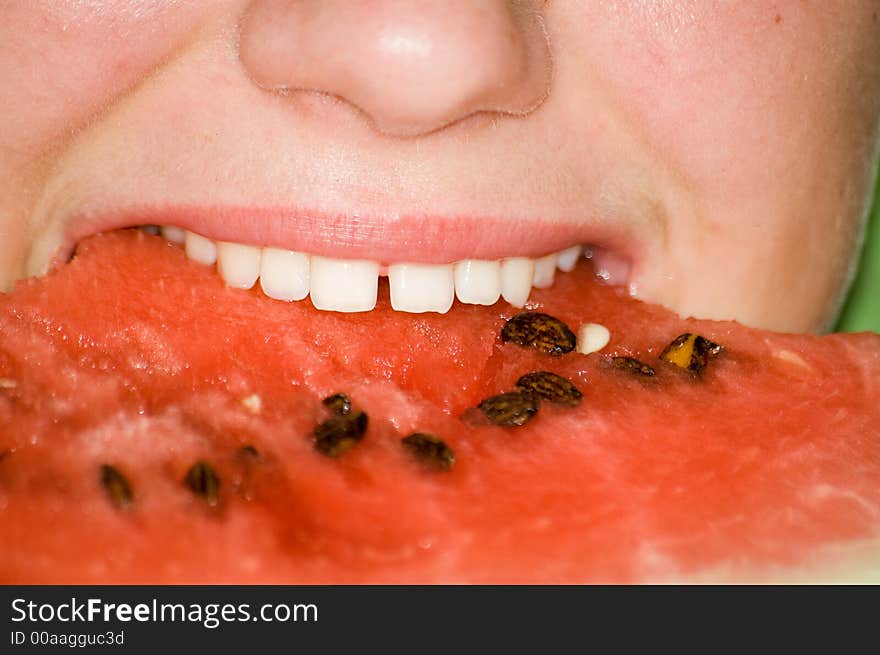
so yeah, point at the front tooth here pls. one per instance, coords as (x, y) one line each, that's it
(516, 279)
(284, 274)
(344, 285)
(421, 288)
(199, 249)
(173, 233)
(477, 281)
(545, 270)
(238, 264)
(567, 259)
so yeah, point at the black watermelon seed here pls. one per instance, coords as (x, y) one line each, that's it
(632, 365)
(203, 481)
(551, 387)
(339, 434)
(510, 409)
(430, 450)
(338, 403)
(249, 452)
(116, 486)
(690, 352)
(539, 331)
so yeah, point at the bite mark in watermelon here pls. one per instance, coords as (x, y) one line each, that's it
(765, 463)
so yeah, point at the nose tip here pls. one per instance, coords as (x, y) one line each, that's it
(411, 67)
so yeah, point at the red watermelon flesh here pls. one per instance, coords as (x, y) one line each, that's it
(766, 463)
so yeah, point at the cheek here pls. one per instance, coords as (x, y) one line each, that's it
(735, 93)
(62, 61)
(764, 119)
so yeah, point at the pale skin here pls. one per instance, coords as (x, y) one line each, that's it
(736, 141)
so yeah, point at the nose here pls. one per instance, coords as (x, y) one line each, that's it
(412, 66)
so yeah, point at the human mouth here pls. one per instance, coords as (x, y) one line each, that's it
(351, 285)
(337, 262)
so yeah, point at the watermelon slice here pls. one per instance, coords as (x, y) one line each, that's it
(157, 427)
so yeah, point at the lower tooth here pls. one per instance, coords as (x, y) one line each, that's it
(477, 281)
(421, 288)
(238, 264)
(545, 271)
(199, 249)
(567, 259)
(344, 285)
(173, 233)
(284, 274)
(517, 274)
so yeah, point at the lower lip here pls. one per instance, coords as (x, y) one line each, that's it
(434, 240)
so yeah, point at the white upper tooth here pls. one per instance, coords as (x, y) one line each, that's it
(284, 274)
(200, 249)
(516, 279)
(173, 233)
(344, 285)
(238, 264)
(477, 281)
(567, 259)
(421, 288)
(545, 270)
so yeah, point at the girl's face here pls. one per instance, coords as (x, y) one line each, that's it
(719, 154)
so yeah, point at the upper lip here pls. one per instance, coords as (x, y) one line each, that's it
(387, 239)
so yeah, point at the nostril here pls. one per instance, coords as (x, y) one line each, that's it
(410, 67)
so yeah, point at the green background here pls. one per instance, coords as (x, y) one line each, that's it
(862, 309)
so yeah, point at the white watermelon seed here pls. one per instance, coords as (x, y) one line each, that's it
(592, 337)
